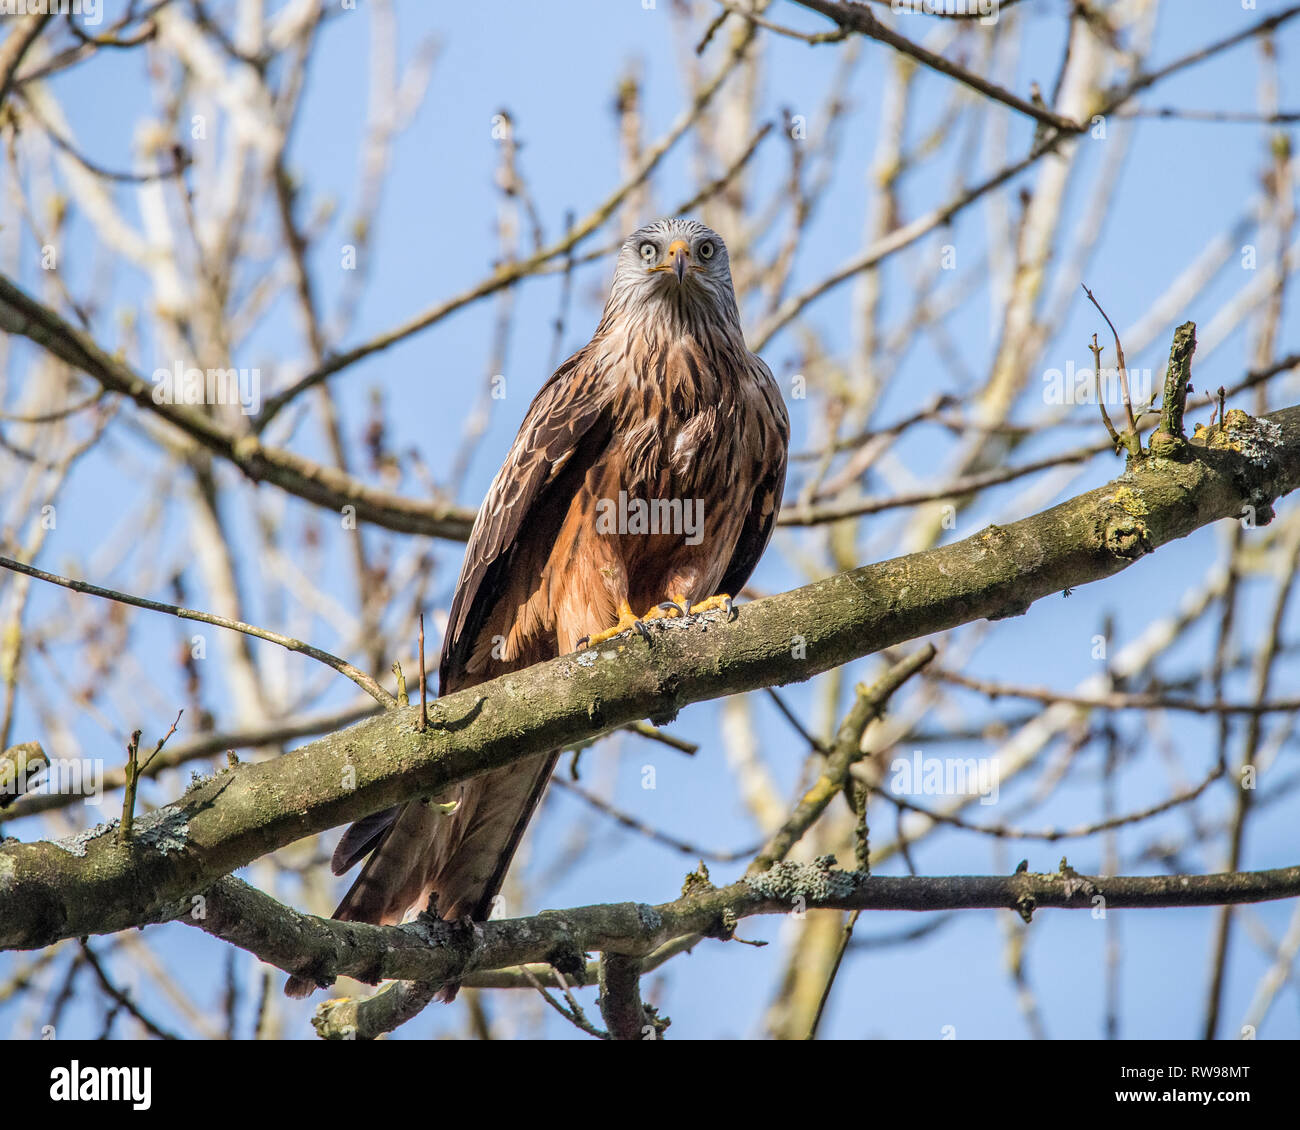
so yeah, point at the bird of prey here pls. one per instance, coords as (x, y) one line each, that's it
(664, 414)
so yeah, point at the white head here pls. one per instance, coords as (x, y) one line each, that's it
(674, 273)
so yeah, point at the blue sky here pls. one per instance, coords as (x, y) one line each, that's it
(555, 68)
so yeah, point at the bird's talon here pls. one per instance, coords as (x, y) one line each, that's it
(627, 620)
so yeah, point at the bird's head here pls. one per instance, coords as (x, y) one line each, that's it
(680, 263)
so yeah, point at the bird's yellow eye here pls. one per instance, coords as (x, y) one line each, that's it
(649, 252)
(705, 250)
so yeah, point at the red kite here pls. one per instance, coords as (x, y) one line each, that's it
(644, 482)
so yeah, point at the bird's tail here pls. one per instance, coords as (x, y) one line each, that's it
(424, 849)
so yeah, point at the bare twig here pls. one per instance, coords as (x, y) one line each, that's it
(364, 681)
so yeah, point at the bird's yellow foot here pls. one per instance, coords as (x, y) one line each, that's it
(685, 608)
(669, 609)
(627, 620)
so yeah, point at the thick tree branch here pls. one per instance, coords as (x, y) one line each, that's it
(620, 997)
(94, 884)
(324, 485)
(430, 951)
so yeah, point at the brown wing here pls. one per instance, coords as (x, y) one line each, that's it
(568, 418)
(567, 423)
(771, 446)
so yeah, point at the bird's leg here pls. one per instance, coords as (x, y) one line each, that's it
(627, 620)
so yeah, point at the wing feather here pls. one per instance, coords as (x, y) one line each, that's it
(568, 422)
(771, 444)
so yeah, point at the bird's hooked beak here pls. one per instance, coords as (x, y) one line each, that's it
(676, 257)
